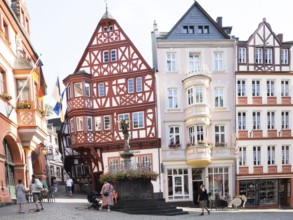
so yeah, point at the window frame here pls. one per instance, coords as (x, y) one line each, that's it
(255, 85)
(256, 120)
(242, 55)
(101, 89)
(138, 120)
(98, 123)
(79, 123)
(78, 93)
(241, 88)
(106, 57)
(256, 155)
(172, 99)
(242, 156)
(171, 62)
(87, 89)
(89, 121)
(107, 122)
(219, 97)
(271, 155)
(220, 136)
(218, 61)
(241, 119)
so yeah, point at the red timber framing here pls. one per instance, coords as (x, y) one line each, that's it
(111, 82)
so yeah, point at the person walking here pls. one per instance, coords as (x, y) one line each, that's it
(69, 183)
(55, 185)
(20, 196)
(107, 192)
(203, 198)
(36, 187)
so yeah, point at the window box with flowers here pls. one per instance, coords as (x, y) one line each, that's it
(128, 175)
(6, 96)
(24, 105)
(173, 145)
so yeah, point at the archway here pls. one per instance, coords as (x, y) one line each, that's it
(9, 169)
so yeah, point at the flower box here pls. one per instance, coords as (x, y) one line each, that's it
(24, 105)
(6, 96)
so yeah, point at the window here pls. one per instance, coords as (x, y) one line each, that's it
(219, 97)
(68, 141)
(284, 56)
(241, 88)
(6, 31)
(194, 64)
(256, 156)
(191, 135)
(124, 116)
(271, 120)
(71, 125)
(101, 89)
(138, 119)
(285, 154)
(114, 165)
(107, 123)
(203, 29)
(89, 123)
(22, 85)
(271, 155)
(106, 56)
(285, 120)
(79, 123)
(190, 96)
(2, 81)
(174, 136)
(259, 55)
(242, 156)
(171, 62)
(218, 61)
(268, 55)
(270, 88)
(130, 85)
(178, 184)
(218, 180)
(255, 88)
(77, 89)
(242, 120)
(113, 56)
(284, 88)
(199, 94)
(87, 90)
(200, 133)
(138, 84)
(188, 29)
(220, 134)
(242, 55)
(69, 94)
(98, 123)
(256, 120)
(172, 99)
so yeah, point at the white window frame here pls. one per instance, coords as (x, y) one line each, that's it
(285, 154)
(87, 89)
(269, 55)
(137, 120)
(241, 88)
(174, 135)
(242, 55)
(270, 88)
(101, 89)
(105, 56)
(194, 62)
(113, 55)
(218, 61)
(130, 85)
(200, 133)
(258, 55)
(69, 93)
(124, 116)
(285, 88)
(190, 96)
(98, 123)
(220, 131)
(255, 88)
(89, 123)
(285, 119)
(199, 94)
(271, 120)
(256, 155)
(271, 155)
(242, 156)
(219, 97)
(72, 125)
(191, 134)
(172, 98)
(241, 120)
(256, 116)
(79, 123)
(138, 84)
(107, 122)
(78, 89)
(171, 62)
(284, 56)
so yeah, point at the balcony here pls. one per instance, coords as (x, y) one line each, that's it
(32, 125)
(199, 155)
(198, 112)
(79, 103)
(204, 71)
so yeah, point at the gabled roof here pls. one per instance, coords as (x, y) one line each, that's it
(196, 5)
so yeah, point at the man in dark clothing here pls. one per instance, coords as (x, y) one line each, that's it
(203, 198)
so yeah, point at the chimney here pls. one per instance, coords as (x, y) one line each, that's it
(280, 36)
(219, 21)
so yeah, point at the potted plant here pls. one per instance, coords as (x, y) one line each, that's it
(6, 96)
(24, 105)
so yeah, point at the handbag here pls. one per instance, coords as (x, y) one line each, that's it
(107, 192)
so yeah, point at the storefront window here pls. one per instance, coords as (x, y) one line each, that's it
(218, 181)
(178, 184)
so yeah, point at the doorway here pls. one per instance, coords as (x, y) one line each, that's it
(283, 191)
(196, 190)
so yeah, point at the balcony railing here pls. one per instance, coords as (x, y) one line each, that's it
(204, 71)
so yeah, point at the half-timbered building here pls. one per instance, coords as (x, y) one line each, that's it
(112, 82)
(264, 108)
(195, 66)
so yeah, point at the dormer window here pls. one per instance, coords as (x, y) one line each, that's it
(188, 29)
(203, 29)
(285, 56)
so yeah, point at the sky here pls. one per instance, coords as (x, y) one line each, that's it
(61, 29)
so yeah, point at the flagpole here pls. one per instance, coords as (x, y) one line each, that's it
(33, 68)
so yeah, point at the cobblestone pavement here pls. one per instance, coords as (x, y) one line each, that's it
(76, 207)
